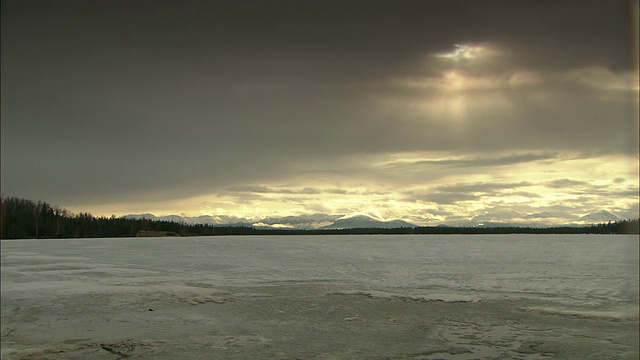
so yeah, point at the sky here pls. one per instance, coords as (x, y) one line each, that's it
(428, 111)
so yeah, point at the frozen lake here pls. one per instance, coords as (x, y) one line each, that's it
(386, 296)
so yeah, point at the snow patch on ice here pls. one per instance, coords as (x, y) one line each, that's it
(382, 295)
(585, 314)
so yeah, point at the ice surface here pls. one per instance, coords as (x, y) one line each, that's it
(570, 272)
(505, 288)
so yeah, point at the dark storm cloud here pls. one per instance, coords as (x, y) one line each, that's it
(307, 190)
(446, 198)
(271, 190)
(565, 183)
(126, 100)
(631, 193)
(589, 189)
(451, 194)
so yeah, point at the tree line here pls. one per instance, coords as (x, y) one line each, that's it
(22, 218)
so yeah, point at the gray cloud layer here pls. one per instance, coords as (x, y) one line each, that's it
(121, 100)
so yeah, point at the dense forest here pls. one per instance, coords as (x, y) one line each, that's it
(23, 218)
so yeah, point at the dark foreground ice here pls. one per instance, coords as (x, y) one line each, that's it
(322, 297)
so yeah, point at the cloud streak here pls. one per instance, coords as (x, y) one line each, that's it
(473, 162)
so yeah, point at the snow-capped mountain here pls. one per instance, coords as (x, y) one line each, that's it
(600, 216)
(203, 219)
(174, 218)
(141, 216)
(364, 221)
(540, 215)
(300, 222)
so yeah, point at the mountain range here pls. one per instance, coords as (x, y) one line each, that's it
(314, 221)
(326, 221)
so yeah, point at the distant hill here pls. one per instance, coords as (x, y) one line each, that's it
(363, 221)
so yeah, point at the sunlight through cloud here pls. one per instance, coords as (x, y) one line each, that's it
(467, 52)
